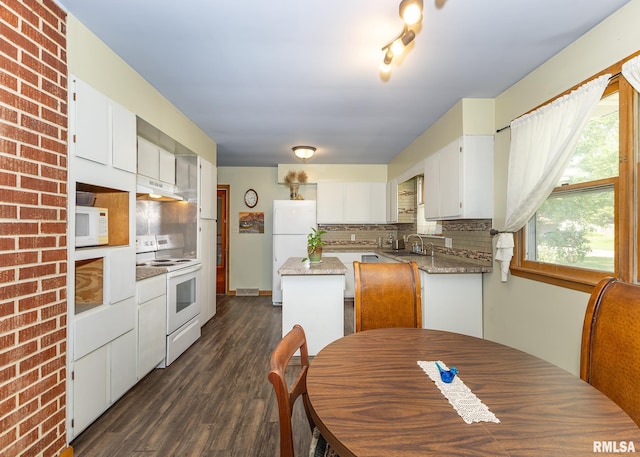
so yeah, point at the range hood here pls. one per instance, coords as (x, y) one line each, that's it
(151, 189)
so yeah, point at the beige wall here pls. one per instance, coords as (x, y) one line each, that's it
(537, 318)
(93, 62)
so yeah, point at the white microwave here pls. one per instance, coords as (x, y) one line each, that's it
(92, 226)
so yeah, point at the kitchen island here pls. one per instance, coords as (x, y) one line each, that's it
(313, 296)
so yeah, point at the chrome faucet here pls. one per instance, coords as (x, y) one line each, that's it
(421, 241)
(431, 249)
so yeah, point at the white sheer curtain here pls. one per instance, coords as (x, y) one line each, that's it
(542, 143)
(631, 72)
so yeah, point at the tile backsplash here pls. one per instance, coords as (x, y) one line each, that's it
(470, 238)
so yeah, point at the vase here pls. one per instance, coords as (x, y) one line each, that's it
(315, 255)
(293, 190)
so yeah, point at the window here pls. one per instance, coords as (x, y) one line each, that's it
(583, 231)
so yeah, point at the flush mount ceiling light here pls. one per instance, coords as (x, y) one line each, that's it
(304, 152)
(411, 14)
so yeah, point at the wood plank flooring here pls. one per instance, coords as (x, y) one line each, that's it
(213, 401)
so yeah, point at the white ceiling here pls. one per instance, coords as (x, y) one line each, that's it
(262, 76)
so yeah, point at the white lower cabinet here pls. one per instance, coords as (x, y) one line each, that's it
(452, 302)
(152, 323)
(102, 377)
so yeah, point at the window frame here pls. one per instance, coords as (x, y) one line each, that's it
(624, 234)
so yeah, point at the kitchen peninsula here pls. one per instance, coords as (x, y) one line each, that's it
(313, 296)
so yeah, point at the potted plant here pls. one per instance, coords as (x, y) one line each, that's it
(314, 245)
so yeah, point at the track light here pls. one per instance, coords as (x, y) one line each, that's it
(411, 11)
(411, 14)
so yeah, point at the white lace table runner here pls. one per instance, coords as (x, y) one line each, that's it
(467, 405)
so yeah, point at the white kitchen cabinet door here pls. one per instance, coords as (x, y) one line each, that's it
(452, 302)
(208, 196)
(449, 180)
(90, 394)
(121, 275)
(123, 136)
(458, 180)
(378, 202)
(392, 201)
(148, 159)
(330, 202)
(357, 202)
(207, 284)
(431, 186)
(167, 167)
(91, 137)
(123, 373)
(152, 334)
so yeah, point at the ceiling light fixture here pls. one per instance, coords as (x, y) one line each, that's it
(411, 11)
(304, 152)
(411, 14)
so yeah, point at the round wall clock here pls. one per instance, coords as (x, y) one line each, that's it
(251, 198)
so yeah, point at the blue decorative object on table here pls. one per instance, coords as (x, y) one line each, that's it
(447, 375)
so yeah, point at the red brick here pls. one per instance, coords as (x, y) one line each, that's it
(11, 356)
(58, 364)
(54, 117)
(18, 228)
(24, 13)
(7, 437)
(18, 258)
(38, 358)
(37, 271)
(35, 94)
(34, 391)
(8, 147)
(8, 115)
(36, 242)
(17, 290)
(7, 309)
(53, 227)
(37, 67)
(7, 244)
(54, 200)
(57, 174)
(7, 179)
(54, 283)
(54, 61)
(17, 196)
(36, 301)
(13, 133)
(38, 213)
(15, 37)
(42, 185)
(10, 18)
(7, 405)
(55, 90)
(57, 309)
(8, 212)
(8, 163)
(54, 146)
(9, 49)
(7, 276)
(54, 255)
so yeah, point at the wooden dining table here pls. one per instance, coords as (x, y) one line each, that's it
(370, 398)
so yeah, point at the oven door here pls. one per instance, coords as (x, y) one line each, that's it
(182, 296)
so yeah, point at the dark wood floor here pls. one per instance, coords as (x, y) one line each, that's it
(214, 401)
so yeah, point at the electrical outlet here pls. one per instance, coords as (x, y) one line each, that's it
(353, 237)
(448, 243)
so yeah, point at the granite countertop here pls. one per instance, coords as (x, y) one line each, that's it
(294, 266)
(149, 272)
(438, 264)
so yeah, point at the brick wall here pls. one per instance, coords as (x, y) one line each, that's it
(33, 200)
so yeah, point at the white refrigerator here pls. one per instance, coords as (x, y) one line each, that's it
(292, 222)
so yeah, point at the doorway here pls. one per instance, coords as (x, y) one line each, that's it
(222, 240)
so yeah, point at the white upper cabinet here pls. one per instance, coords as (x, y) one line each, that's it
(392, 201)
(155, 162)
(458, 180)
(208, 186)
(351, 202)
(103, 130)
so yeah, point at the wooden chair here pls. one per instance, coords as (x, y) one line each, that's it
(610, 354)
(280, 358)
(387, 295)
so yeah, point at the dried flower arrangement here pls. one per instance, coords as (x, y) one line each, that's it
(293, 180)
